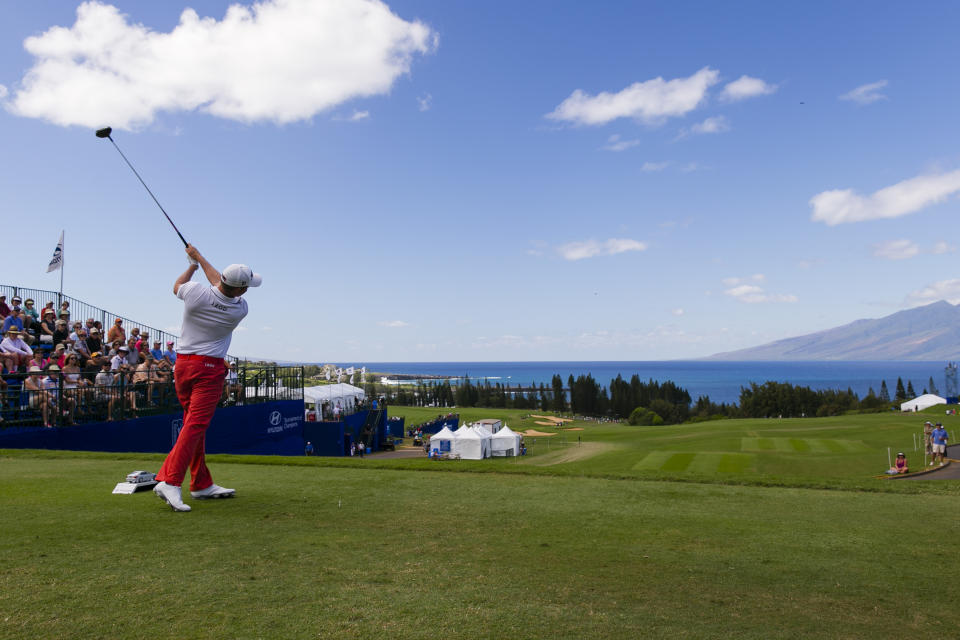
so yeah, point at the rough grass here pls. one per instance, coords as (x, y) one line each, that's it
(307, 551)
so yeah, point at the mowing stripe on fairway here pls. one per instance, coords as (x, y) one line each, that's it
(702, 462)
(803, 445)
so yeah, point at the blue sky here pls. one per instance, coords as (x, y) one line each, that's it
(490, 181)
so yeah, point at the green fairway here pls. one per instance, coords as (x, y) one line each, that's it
(308, 551)
(845, 451)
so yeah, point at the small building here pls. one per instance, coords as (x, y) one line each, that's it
(922, 402)
(490, 424)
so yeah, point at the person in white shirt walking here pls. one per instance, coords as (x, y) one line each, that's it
(210, 315)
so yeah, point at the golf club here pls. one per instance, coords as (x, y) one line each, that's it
(105, 133)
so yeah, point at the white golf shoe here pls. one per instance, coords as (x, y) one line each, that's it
(171, 495)
(213, 491)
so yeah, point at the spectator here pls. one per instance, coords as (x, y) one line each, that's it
(59, 355)
(30, 310)
(93, 341)
(4, 309)
(30, 328)
(308, 450)
(48, 325)
(231, 384)
(60, 333)
(38, 360)
(49, 306)
(64, 311)
(39, 398)
(116, 332)
(143, 343)
(939, 436)
(52, 386)
(115, 348)
(80, 345)
(14, 352)
(133, 355)
(119, 362)
(105, 383)
(135, 334)
(74, 330)
(144, 378)
(14, 320)
(169, 354)
(73, 382)
(156, 352)
(900, 466)
(89, 324)
(92, 366)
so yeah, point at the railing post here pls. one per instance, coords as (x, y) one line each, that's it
(123, 396)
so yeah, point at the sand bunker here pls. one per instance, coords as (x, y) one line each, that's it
(552, 419)
(574, 429)
(545, 424)
(532, 432)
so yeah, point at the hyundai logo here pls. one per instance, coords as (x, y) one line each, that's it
(275, 418)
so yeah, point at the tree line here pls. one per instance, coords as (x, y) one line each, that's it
(648, 402)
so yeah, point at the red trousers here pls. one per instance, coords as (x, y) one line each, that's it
(199, 382)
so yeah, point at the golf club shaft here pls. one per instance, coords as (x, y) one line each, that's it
(148, 190)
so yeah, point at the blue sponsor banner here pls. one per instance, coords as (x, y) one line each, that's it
(269, 428)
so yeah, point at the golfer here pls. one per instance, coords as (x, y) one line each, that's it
(210, 315)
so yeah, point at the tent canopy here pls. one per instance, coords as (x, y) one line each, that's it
(922, 402)
(333, 392)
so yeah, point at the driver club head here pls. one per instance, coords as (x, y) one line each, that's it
(104, 133)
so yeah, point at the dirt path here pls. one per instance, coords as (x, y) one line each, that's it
(571, 453)
(949, 472)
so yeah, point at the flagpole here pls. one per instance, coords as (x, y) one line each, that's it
(60, 297)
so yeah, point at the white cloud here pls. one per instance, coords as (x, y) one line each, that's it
(650, 167)
(593, 248)
(838, 206)
(942, 247)
(279, 60)
(651, 101)
(677, 312)
(393, 323)
(690, 167)
(746, 87)
(3, 92)
(730, 282)
(895, 250)
(359, 115)
(713, 124)
(948, 290)
(425, 102)
(615, 143)
(866, 93)
(752, 293)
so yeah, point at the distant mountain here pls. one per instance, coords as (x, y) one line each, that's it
(931, 332)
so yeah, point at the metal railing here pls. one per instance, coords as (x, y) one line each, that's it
(80, 311)
(61, 403)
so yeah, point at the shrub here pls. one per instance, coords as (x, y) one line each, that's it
(644, 417)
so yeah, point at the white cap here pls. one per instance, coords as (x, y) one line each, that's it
(240, 275)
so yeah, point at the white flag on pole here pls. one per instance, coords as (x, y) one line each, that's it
(57, 261)
(349, 371)
(328, 375)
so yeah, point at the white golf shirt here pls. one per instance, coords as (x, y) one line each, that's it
(15, 345)
(209, 318)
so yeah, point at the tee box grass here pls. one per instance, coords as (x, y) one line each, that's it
(681, 531)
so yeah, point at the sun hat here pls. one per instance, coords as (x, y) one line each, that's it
(169, 343)
(28, 301)
(53, 367)
(240, 275)
(34, 369)
(95, 354)
(50, 311)
(15, 299)
(61, 347)
(64, 312)
(899, 454)
(94, 330)
(124, 348)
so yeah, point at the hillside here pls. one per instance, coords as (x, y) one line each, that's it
(931, 332)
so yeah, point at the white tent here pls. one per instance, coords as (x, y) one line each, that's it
(333, 393)
(443, 440)
(486, 440)
(468, 445)
(922, 402)
(505, 442)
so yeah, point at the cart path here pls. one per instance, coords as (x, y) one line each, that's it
(950, 472)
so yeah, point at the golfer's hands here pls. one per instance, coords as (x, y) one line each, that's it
(193, 255)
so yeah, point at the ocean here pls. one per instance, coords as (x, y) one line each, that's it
(719, 380)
